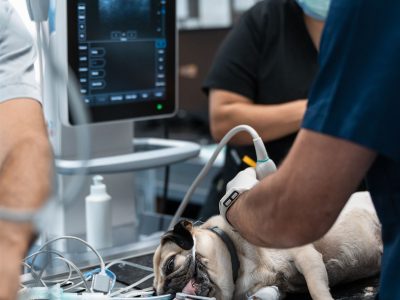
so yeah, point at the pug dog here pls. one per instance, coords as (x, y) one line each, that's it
(198, 261)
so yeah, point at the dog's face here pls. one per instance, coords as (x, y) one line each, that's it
(191, 260)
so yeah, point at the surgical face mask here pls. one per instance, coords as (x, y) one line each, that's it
(316, 9)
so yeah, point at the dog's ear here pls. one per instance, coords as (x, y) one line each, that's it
(180, 235)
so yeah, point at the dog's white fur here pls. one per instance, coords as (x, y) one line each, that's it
(350, 250)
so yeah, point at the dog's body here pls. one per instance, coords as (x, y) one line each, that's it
(350, 250)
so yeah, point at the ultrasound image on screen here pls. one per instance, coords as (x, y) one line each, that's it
(111, 19)
(112, 10)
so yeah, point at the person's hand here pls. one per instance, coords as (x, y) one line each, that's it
(245, 179)
(14, 242)
(242, 182)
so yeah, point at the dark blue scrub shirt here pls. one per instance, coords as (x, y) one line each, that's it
(356, 97)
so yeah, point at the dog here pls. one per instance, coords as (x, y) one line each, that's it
(196, 260)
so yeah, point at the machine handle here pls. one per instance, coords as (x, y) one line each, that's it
(167, 152)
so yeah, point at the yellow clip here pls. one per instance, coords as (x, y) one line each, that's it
(249, 161)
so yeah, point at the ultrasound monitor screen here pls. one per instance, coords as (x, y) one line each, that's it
(123, 54)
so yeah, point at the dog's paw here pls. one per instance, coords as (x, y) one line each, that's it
(266, 293)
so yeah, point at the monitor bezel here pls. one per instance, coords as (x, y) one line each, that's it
(136, 110)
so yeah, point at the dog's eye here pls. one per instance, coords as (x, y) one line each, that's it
(169, 265)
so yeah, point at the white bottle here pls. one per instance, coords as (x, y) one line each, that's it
(98, 215)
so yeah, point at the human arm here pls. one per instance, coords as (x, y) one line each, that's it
(25, 176)
(25, 156)
(300, 202)
(271, 121)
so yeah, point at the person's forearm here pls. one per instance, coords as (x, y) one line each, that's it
(25, 155)
(267, 217)
(300, 202)
(24, 185)
(270, 121)
(25, 165)
(25, 182)
(25, 174)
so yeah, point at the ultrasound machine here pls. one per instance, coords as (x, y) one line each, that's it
(122, 56)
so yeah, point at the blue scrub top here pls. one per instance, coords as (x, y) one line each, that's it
(356, 97)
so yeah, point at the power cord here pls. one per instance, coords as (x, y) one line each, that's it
(265, 165)
(101, 281)
(101, 290)
(39, 276)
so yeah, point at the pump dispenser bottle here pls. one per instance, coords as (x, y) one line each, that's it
(98, 215)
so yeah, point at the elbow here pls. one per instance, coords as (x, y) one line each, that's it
(219, 124)
(217, 131)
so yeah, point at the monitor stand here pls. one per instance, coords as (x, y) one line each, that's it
(116, 155)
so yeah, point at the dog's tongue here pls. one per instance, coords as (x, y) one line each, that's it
(190, 288)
